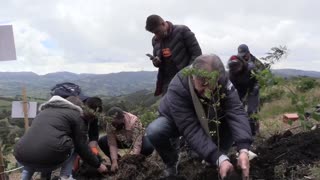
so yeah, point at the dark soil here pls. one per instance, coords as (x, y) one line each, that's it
(284, 156)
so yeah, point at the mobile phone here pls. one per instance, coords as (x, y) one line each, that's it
(150, 56)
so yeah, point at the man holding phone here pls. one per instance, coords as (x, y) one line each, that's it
(174, 47)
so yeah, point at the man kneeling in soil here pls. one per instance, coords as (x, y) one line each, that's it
(125, 132)
(184, 109)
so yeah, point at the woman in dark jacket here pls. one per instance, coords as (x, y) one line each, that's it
(56, 133)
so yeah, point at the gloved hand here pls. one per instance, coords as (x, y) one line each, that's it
(254, 125)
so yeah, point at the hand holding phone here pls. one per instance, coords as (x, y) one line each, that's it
(155, 60)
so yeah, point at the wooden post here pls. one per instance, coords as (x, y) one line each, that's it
(2, 175)
(25, 109)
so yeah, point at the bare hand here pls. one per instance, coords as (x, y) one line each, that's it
(243, 163)
(114, 167)
(102, 169)
(225, 168)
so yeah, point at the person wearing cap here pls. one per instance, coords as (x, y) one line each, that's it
(244, 53)
(174, 47)
(124, 131)
(185, 110)
(240, 74)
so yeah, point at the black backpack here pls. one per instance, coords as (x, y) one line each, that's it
(65, 90)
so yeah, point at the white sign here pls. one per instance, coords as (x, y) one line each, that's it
(7, 47)
(17, 109)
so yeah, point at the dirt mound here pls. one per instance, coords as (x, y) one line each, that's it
(139, 167)
(286, 156)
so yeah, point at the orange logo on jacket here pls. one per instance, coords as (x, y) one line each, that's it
(166, 52)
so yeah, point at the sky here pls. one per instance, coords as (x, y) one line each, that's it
(104, 36)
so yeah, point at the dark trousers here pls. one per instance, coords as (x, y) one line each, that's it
(253, 103)
(146, 148)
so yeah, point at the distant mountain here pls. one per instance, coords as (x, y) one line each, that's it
(114, 84)
(295, 72)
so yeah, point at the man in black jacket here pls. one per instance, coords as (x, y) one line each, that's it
(56, 133)
(184, 109)
(244, 53)
(174, 47)
(241, 76)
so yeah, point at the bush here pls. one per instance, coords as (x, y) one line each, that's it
(268, 95)
(305, 84)
(147, 117)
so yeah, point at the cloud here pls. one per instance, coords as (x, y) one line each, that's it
(106, 36)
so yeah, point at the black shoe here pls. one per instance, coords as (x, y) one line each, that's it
(171, 170)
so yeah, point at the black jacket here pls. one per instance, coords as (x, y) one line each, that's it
(183, 48)
(177, 105)
(55, 132)
(244, 81)
(93, 131)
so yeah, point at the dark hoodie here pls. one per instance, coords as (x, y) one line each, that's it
(54, 133)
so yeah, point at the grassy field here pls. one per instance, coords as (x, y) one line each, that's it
(271, 117)
(5, 104)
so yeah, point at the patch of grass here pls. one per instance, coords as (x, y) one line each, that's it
(5, 105)
(275, 108)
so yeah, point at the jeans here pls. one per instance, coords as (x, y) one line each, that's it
(146, 148)
(66, 169)
(162, 130)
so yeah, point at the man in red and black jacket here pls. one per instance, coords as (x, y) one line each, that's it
(174, 47)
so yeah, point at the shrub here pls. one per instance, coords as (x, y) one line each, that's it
(305, 84)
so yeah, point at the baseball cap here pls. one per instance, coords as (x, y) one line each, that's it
(243, 49)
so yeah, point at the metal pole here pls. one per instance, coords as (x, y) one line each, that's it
(2, 175)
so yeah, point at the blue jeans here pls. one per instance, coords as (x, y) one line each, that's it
(162, 130)
(66, 169)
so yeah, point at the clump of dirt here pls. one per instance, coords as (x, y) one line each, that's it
(137, 167)
(286, 156)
